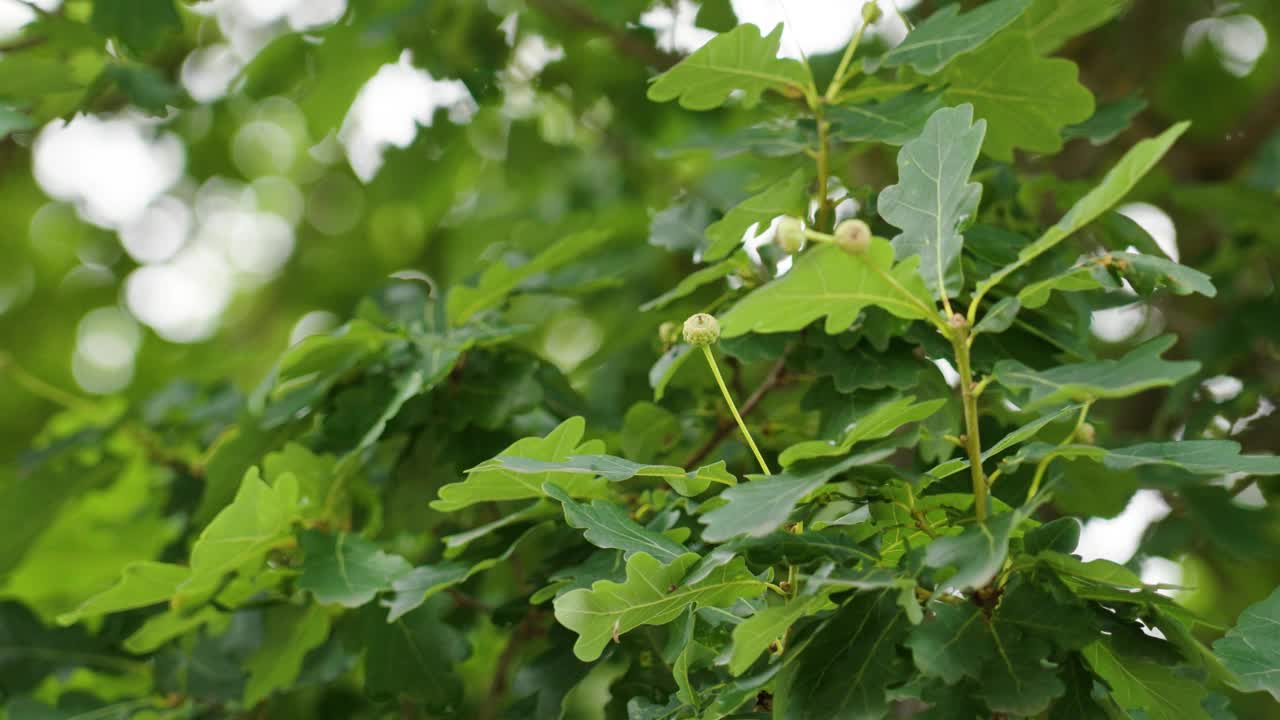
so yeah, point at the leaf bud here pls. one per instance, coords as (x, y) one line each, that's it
(853, 237)
(790, 234)
(871, 12)
(701, 329)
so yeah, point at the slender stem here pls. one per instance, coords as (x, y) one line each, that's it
(772, 379)
(973, 443)
(1043, 465)
(824, 219)
(715, 370)
(838, 80)
(39, 388)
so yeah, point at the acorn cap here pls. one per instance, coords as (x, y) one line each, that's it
(701, 329)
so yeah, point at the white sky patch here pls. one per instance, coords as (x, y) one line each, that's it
(1118, 324)
(1238, 39)
(1157, 223)
(111, 168)
(1117, 538)
(182, 299)
(674, 27)
(821, 26)
(389, 108)
(1222, 388)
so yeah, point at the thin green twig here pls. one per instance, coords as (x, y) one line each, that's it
(733, 408)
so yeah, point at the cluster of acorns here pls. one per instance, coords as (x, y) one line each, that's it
(852, 236)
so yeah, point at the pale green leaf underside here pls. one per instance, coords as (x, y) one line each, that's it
(893, 121)
(934, 197)
(608, 525)
(1199, 457)
(1251, 649)
(1141, 369)
(741, 59)
(946, 34)
(826, 282)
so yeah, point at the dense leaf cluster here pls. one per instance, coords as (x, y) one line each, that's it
(424, 514)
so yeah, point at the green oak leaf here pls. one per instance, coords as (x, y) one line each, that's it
(1141, 369)
(788, 196)
(607, 525)
(704, 276)
(346, 569)
(1251, 649)
(13, 120)
(881, 421)
(1026, 99)
(499, 279)
(759, 507)
(893, 121)
(140, 24)
(1000, 316)
(755, 634)
(1198, 457)
(1050, 23)
(946, 34)
(865, 366)
(843, 668)
(417, 586)
(934, 198)
(241, 535)
(1019, 679)
(614, 469)
(651, 595)
(1035, 611)
(952, 643)
(1148, 273)
(1078, 702)
(1141, 684)
(493, 482)
(1117, 183)
(141, 584)
(1061, 535)
(665, 368)
(160, 629)
(826, 282)
(978, 553)
(1098, 572)
(291, 632)
(1107, 121)
(741, 59)
(416, 655)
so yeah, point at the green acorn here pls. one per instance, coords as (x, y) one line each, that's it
(701, 329)
(853, 237)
